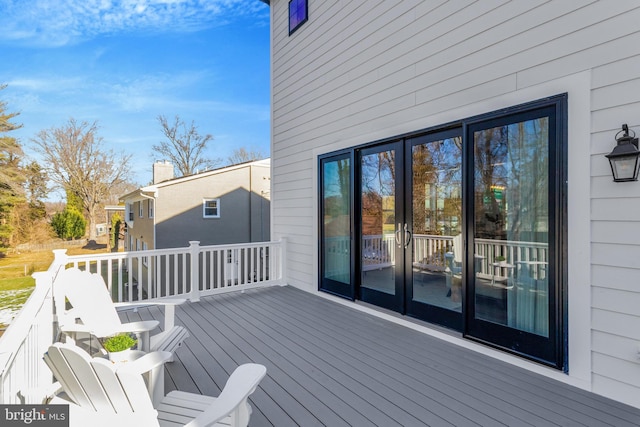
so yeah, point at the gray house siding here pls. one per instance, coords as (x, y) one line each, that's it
(360, 71)
(179, 209)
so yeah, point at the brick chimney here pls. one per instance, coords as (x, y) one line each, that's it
(162, 171)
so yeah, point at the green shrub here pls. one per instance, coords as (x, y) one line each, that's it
(69, 224)
(119, 343)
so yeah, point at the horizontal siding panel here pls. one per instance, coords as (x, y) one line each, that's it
(616, 346)
(624, 393)
(389, 62)
(328, 21)
(293, 162)
(289, 195)
(330, 52)
(369, 51)
(526, 50)
(389, 87)
(615, 278)
(616, 323)
(516, 36)
(615, 254)
(346, 120)
(617, 232)
(456, 99)
(624, 302)
(615, 94)
(603, 55)
(602, 188)
(617, 369)
(616, 71)
(602, 120)
(295, 216)
(292, 203)
(303, 174)
(292, 229)
(292, 185)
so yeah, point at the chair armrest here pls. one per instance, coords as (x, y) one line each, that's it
(169, 308)
(146, 363)
(141, 326)
(134, 305)
(151, 366)
(40, 395)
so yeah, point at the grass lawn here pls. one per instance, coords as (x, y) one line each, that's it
(16, 283)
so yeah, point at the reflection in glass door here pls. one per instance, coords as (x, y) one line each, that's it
(381, 227)
(435, 292)
(335, 227)
(513, 297)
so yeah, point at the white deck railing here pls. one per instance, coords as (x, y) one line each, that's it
(378, 251)
(22, 370)
(189, 272)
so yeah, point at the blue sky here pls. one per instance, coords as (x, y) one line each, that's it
(124, 62)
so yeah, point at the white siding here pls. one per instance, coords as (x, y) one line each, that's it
(362, 70)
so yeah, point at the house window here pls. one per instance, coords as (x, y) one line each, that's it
(151, 205)
(211, 208)
(145, 247)
(140, 209)
(297, 14)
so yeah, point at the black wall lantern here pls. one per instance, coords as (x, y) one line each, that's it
(625, 157)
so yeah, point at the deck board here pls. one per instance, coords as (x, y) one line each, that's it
(330, 365)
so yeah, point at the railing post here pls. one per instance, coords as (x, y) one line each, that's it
(194, 251)
(59, 260)
(283, 261)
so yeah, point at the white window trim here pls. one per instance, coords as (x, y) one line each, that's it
(204, 208)
(140, 209)
(150, 208)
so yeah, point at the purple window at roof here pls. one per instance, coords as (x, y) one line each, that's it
(297, 14)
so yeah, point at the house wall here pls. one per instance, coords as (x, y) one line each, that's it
(359, 71)
(142, 226)
(179, 215)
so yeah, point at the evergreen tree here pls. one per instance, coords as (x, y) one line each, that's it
(69, 224)
(11, 175)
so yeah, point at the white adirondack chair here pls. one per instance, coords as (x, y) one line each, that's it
(92, 304)
(100, 393)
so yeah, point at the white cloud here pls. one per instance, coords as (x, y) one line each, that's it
(61, 22)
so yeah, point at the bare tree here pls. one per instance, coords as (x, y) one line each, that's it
(76, 162)
(184, 146)
(241, 155)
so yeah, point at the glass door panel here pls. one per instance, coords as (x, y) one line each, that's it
(512, 225)
(517, 167)
(381, 227)
(435, 209)
(336, 262)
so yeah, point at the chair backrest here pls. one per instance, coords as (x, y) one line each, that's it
(457, 248)
(94, 383)
(90, 299)
(232, 400)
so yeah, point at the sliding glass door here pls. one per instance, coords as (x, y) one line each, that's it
(434, 210)
(515, 211)
(383, 231)
(336, 267)
(463, 227)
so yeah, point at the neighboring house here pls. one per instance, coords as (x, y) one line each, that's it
(402, 127)
(226, 205)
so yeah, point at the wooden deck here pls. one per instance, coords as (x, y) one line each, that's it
(329, 365)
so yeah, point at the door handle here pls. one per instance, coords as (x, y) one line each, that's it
(407, 236)
(398, 236)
